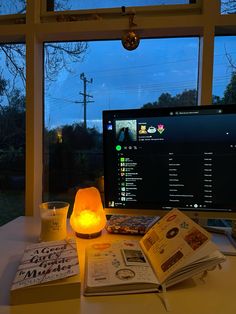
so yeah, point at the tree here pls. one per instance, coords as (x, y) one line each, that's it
(228, 6)
(75, 158)
(216, 99)
(12, 132)
(165, 100)
(186, 98)
(13, 7)
(229, 97)
(3, 85)
(58, 6)
(58, 56)
(19, 6)
(12, 121)
(150, 105)
(230, 91)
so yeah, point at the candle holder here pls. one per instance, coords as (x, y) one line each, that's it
(88, 217)
(53, 220)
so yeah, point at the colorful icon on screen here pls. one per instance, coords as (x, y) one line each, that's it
(160, 128)
(118, 148)
(143, 129)
(151, 130)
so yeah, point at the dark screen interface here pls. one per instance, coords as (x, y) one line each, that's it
(171, 157)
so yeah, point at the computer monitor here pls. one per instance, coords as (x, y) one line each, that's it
(157, 159)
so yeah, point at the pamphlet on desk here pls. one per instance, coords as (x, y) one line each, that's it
(126, 224)
(48, 271)
(174, 249)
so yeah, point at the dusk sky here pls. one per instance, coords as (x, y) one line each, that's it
(129, 79)
(16, 6)
(122, 78)
(90, 4)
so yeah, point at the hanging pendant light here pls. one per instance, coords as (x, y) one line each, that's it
(130, 40)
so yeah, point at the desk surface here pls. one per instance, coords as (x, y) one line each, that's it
(216, 295)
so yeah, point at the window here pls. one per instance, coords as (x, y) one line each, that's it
(228, 7)
(224, 80)
(160, 72)
(60, 5)
(141, 83)
(12, 7)
(12, 131)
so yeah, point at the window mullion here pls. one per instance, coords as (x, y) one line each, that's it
(210, 15)
(206, 56)
(34, 110)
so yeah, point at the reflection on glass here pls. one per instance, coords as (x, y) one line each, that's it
(12, 7)
(224, 77)
(161, 72)
(12, 131)
(228, 7)
(60, 5)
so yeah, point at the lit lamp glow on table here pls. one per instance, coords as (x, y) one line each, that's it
(88, 217)
(53, 221)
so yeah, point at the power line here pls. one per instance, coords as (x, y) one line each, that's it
(85, 95)
(151, 65)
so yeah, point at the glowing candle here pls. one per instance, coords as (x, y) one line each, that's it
(53, 221)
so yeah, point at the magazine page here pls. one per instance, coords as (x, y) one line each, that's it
(117, 263)
(172, 242)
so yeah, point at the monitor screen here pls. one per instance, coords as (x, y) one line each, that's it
(157, 159)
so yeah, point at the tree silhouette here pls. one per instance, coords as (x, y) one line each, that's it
(57, 55)
(74, 160)
(230, 91)
(3, 85)
(166, 99)
(19, 6)
(228, 6)
(186, 98)
(12, 117)
(12, 133)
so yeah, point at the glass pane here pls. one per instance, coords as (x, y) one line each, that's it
(12, 131)
(60, 5)
(160, 72)
(224, 79)
(12, 7)
(228, 6)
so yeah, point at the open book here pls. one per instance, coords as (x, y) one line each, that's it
(174, 249)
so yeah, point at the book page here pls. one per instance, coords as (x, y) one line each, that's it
(172, 242)
(47, 261)
(117, 263)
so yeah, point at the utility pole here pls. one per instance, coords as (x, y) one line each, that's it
(85, 95)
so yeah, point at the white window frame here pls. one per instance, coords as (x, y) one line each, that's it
(37, 26)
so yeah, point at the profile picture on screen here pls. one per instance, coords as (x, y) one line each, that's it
(126, 131)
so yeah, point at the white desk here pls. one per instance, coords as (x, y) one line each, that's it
(216, 296)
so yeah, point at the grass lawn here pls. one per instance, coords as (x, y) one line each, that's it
(12, 205)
